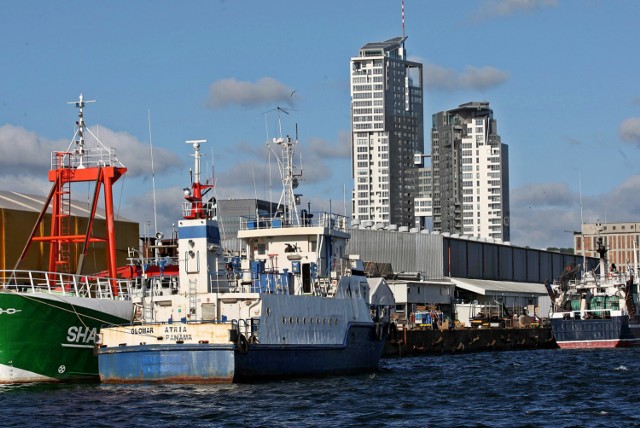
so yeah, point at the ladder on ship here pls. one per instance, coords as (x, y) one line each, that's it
(63, 198)
(193, 296)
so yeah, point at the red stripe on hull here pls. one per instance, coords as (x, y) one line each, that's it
(590, 344)
(596, 344)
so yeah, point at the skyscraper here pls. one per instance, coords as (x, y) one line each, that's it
(387, 129)
(470, 173)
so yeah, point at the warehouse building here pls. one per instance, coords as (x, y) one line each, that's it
(19, 213)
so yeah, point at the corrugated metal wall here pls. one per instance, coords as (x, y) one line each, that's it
(407, 252)
(436, 256)
(17, 225)
(499, 262)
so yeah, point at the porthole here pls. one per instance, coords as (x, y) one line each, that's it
(268, 311)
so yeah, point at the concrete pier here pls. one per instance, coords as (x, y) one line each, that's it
(419, 342)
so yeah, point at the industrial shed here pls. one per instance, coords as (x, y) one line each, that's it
(18, 215)
(515, 296)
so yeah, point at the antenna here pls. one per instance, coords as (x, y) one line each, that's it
(197, 155)
(80, 128)
(288, 199)
(584, 250)
(402, 18)
(153, 177)
(103, 157)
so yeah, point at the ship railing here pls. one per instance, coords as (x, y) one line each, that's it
(268, 281)
(318, 219)
(158, 261)
(156, 285)
(199, 209)
(249, 327)
(612, 277)
(89, 157)
(64, 284)
(589, 314)
(222, 282)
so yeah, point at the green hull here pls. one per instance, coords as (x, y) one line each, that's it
(50, 338)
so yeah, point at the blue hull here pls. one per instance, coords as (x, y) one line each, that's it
(175, 363)
(210, 363)
(595, 333)
(360, 353)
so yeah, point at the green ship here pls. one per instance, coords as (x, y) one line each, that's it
(47, 333)
(49, 320)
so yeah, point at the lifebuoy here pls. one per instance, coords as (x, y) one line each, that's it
(243, 344)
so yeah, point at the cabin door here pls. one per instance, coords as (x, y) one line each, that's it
(306, 278)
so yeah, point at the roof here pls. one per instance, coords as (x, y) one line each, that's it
(386, 45)
(380, 293)
(484, 287)
(34, 203)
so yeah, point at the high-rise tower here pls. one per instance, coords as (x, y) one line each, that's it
(470, 173)
(387, 130)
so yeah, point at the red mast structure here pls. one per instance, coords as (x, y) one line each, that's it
(194, 208)
(78, 164)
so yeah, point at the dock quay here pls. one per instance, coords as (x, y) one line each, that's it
(411, 342)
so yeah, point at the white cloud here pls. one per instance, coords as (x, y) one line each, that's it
(26, 183)
(474, 78)
(544, 195)
(259, 173)
(34, 154)
(630, 130)
(23, 152)
(326, 149)
(134, 154)
(266, 91)
(139, 208)
(544, 215)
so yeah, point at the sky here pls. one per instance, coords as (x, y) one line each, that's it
(560, 75)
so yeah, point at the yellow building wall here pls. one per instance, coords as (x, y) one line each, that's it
(15, 227)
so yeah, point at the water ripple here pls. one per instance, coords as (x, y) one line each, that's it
(555, 388)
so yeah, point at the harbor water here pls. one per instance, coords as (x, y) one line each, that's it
(538, 388)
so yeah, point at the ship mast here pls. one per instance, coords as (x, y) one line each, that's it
(290, 180)
(78, 164)
(194, 208)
